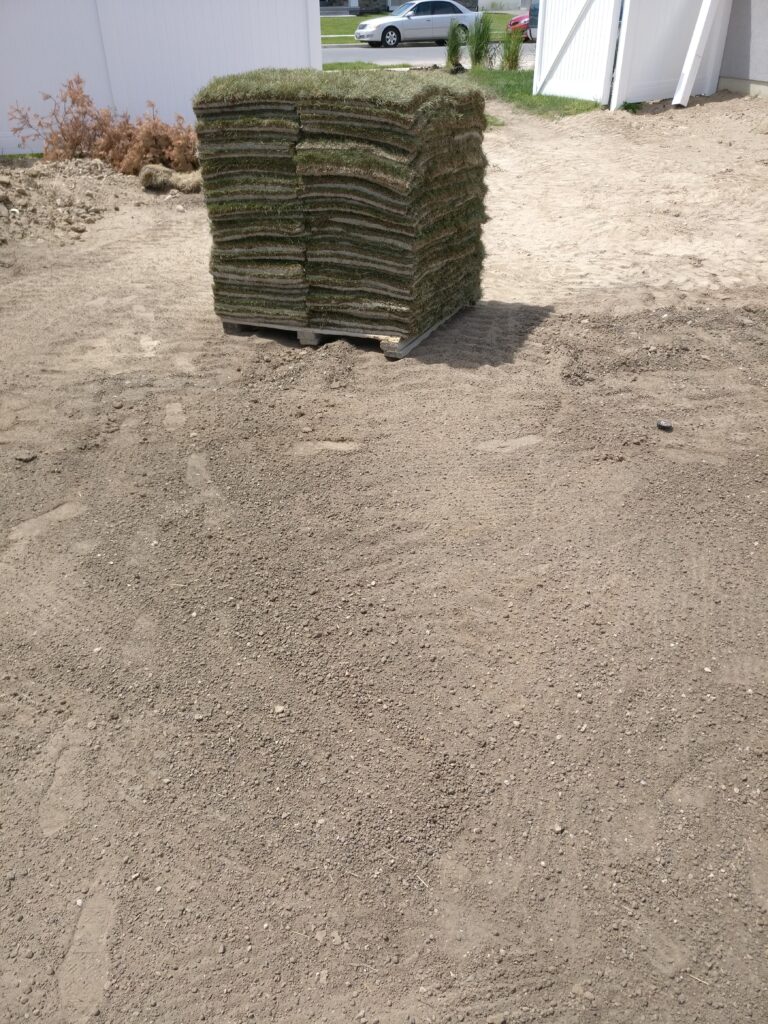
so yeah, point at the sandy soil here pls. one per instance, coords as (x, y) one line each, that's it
(334, 689)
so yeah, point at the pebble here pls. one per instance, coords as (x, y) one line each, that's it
(24, 456)
(180, 208)
(664, 425)
(559, 829)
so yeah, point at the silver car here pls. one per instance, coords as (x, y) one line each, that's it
(415, 22)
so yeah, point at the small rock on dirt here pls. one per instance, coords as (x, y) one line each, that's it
(24, 456)
(664, 425)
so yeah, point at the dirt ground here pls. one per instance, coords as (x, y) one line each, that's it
(334, 689)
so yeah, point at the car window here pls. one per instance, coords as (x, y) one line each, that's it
(444, 7)
(401, 11)
(421, 9)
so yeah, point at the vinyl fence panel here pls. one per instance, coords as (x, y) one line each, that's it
(714, 15)
(653, 45)
(576, 48)
(132, 51)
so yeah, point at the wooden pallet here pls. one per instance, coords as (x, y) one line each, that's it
(392, 347)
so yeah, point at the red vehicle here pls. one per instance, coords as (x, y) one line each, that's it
(522, 23)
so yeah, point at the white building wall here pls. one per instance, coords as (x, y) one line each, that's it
(131, 51)
(746, 50)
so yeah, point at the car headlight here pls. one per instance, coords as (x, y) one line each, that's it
(362, 26)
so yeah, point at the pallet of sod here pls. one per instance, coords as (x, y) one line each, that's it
(348, 201)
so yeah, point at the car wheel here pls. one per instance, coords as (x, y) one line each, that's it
(375, 45)
(390, 37)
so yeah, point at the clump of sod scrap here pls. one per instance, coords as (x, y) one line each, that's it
(348, 200)
(159, 178)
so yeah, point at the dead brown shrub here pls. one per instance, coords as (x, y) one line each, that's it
(75, 127)
(156, 142)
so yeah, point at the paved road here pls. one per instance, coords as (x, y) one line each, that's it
(423, 54)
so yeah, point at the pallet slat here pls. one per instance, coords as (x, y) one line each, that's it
(392, 346)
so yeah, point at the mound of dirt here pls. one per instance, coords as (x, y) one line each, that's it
(57, 199)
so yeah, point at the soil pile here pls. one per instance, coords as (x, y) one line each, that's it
(54, 199)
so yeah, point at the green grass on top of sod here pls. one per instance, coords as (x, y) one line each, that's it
(343, 26)
(403, 93)
(516, 87)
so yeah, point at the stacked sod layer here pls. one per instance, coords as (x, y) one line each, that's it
(248, 161)
(351, 201)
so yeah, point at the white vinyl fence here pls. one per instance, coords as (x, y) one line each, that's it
(576, 49)
(625, 51)
(650, 62)
(132, 51)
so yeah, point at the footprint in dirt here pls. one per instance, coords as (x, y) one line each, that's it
(317, 447)
(85, 970)
(759, 872)
(509, 444)
(174, 416)
(148, 345)
(66, 796)
(41, 524)
(199, 477)
(666, 955)
(139, 649)
(200, 480)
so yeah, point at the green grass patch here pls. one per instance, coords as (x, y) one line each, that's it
(516, 87)
(343, 25)
(359, 65)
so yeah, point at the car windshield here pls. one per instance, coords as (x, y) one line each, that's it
(403, 10)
